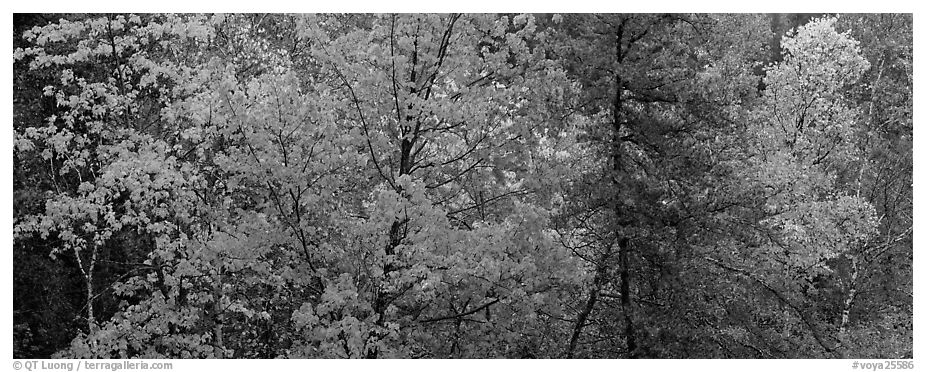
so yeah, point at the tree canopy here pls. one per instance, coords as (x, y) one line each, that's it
(462, 186)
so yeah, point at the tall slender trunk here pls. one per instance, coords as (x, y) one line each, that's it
(626, 303)
(622, 241)
(91, 320)
(850, 298)
(88, 281)
(597, 282)
(218, 314)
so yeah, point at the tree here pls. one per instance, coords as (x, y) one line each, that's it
(879, 272)
(653, 98)
(461, 186)
(801, 219)
(441, 105)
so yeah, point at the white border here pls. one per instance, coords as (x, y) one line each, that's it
(478, 6)
(472, 6)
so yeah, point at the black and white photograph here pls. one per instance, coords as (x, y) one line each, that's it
(426, 185)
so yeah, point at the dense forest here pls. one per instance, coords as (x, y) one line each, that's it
(462, 186)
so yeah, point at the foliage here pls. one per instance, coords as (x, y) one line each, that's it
(459, 186)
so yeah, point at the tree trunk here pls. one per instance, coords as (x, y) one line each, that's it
(88, 281)
(597, 282)
(847, 305)
(218, 314)
(626, 303)
(622, 241)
